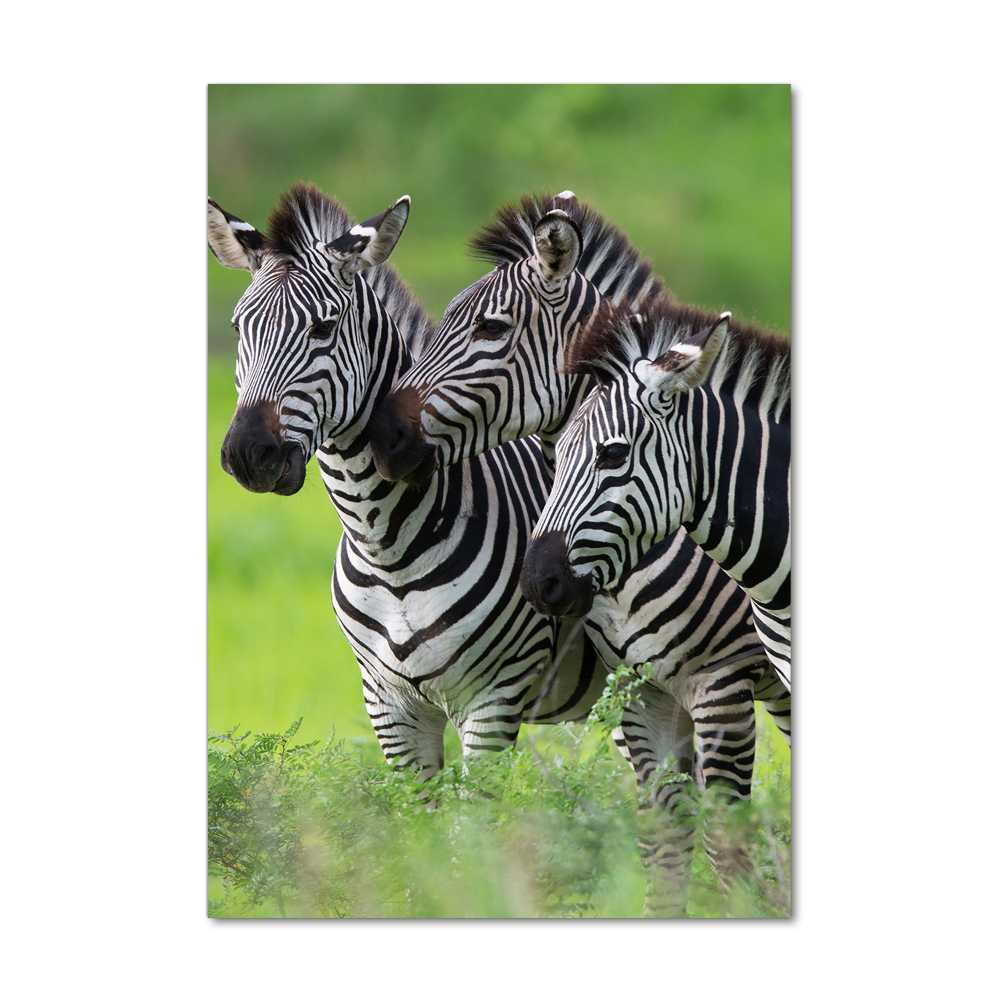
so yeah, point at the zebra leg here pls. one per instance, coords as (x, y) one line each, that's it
(489, 729)
(725, 738)
(777, 700)
(654, 734)
(618, 735)
(411, 734)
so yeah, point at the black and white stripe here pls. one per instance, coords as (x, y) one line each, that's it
(425, 584)
(494, 372)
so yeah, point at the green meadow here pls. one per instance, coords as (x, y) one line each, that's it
(699, 177)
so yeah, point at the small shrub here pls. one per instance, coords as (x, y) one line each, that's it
(547, 829)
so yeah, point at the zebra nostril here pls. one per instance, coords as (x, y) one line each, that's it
(269, 456)
(553, 590)
(398, 443)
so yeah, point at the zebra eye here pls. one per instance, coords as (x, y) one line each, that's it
(610, 456)
(490, 328)
(321, 330)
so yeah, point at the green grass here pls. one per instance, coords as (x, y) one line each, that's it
(542, 831)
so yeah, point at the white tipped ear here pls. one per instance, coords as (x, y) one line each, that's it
(686, 365)
(557, 245)
(369, 242)
(234, 242)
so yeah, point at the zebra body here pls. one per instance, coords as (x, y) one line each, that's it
(425, 583)
(689, 426)
(436, 619)
(493, 373)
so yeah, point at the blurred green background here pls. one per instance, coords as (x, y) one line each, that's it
(698, 176)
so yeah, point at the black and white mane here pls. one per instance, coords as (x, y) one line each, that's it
(608, 258)
(753, 363)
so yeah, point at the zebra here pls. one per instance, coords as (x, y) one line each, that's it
(494, 373)
(425, 583)
(689, 425)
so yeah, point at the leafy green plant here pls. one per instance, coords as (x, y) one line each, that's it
(622, 688)
(548, 829)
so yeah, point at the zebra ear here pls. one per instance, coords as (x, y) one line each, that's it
(234, 242)
(686, 365)
(369, 242)
(565, 200)
(558, 244)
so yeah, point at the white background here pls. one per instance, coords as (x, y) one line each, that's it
(895, 230)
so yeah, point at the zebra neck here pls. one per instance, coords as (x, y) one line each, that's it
(567, 395)
(740, 490)
(384, 521)
(378, 516)
(378, 355)
(564, 409)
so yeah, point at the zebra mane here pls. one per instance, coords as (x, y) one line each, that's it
(753, 363)
(305, 216)
(608, 259)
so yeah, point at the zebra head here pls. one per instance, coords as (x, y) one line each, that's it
(622, 466)
(301, 365)
(492, 373)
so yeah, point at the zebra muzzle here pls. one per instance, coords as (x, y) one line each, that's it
(254, 456)
(293, 473)
(398, 444)
(548, 580)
